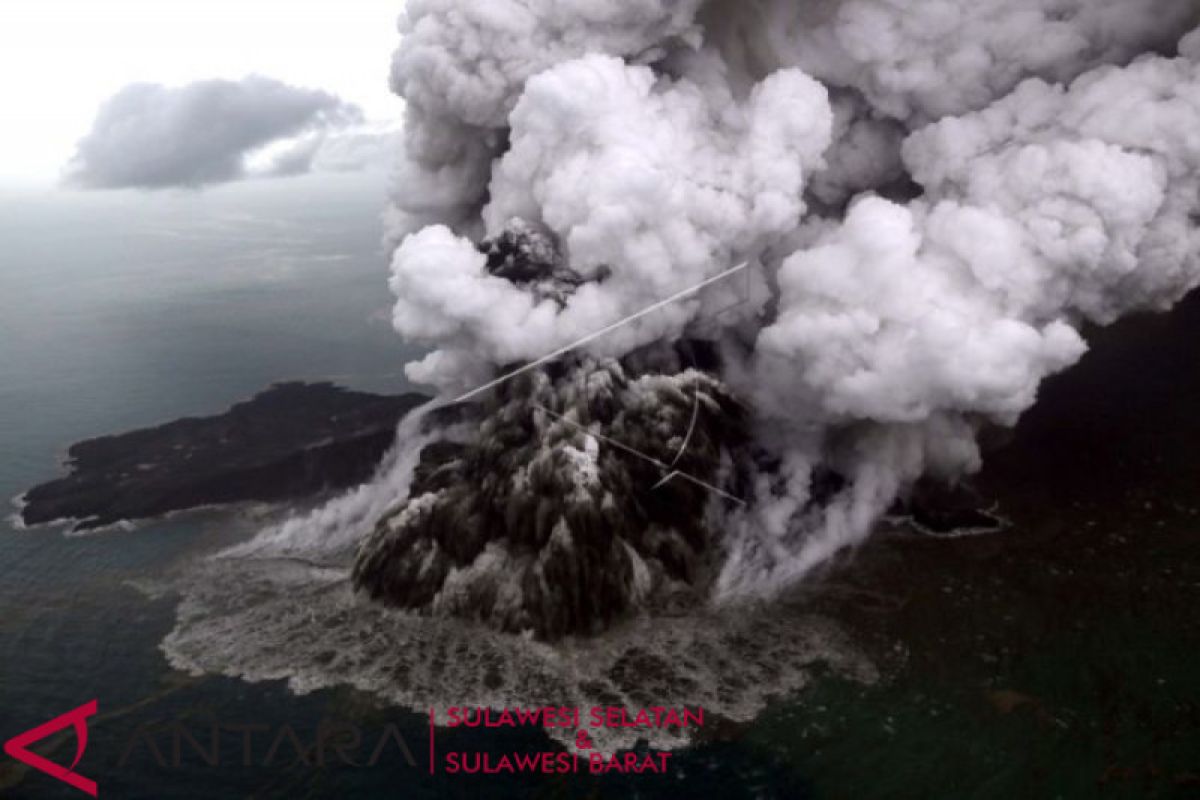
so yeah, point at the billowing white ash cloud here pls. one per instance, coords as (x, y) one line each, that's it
(648, 183)
(463, 66)
(911, 324)
(921, 60)
(936, 196)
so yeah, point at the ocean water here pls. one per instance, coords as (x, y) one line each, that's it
(119, 311)
(124, 310)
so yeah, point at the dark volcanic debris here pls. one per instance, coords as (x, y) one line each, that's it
(554, 519)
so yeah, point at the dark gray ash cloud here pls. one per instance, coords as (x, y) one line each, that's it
(151, 136)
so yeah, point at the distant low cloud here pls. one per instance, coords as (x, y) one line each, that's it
(152, 137)
(350, 150)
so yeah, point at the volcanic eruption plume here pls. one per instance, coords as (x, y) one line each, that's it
(933, 197)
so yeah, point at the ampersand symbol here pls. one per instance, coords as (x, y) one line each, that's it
(582, 741)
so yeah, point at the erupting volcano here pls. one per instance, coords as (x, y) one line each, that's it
(936, 198)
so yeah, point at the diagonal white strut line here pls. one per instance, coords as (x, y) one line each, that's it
(591, 337)
(687, 440)
(664, 466)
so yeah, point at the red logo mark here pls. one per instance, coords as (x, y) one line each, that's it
(17, 747)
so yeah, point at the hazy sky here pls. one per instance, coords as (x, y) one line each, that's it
(60, 59)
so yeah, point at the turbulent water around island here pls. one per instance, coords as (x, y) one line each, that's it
(280, 620)
(283, 606)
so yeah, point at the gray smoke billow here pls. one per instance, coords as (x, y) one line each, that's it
(936, 195)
